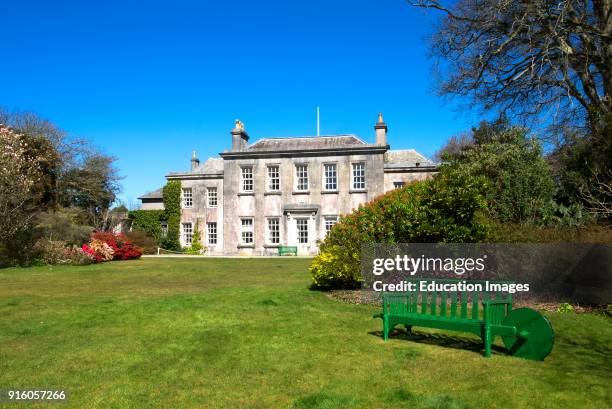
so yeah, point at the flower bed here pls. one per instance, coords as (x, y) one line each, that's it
(110, 246)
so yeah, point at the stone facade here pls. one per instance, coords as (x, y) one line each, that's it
(286, 191)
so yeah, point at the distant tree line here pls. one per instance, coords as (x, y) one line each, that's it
(52, 186)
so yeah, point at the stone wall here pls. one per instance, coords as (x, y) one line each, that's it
(203, 214)
(405, 176)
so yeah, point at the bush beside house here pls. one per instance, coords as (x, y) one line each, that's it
(443, 209)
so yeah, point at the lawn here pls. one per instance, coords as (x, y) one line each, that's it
(207, 333)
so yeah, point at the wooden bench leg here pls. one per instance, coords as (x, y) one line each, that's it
(487, 341)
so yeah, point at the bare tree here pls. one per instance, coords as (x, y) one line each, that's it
(599, 198)
(529, 57)
(454, 146)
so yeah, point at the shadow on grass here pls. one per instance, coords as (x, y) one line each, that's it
(441, 339)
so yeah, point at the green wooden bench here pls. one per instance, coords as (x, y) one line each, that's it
(283, 250)
(526, 333)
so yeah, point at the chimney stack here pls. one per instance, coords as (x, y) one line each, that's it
(195, 162)
(381, 131)
(240, 137)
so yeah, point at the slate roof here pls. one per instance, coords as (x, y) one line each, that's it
(305, 143)
(407, 158)
(156, 194)
(212, 165)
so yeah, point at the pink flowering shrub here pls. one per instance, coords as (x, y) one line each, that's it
(57, 252)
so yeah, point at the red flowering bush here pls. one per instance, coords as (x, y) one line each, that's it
(123, 248)
(110, 246)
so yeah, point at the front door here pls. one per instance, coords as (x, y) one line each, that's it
(300, 234)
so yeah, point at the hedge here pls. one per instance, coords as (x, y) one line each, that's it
(148, 221)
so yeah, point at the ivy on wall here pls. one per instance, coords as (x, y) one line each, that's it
(172, 205)
(148, 221)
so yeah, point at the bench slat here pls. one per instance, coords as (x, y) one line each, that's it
(463, 304)
(454, 304)
(474, 306)
(434, 302)
(424, 302)
(443, 304)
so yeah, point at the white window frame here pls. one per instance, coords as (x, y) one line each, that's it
(330, 177)
(186, 197)
(187, 233)
(211, 233)
(358, 182)
(329, 222)
(273, 178)
(212, 200)
(273, 232)
(299, 232)
(247, 231)
(301, 177)
(164, 228)
(247, 183)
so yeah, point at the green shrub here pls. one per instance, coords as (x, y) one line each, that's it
(520, 183)
(565, 308)
(442, 209)
(332, 269)
(172, 206)
(148, 221)
(63, 224)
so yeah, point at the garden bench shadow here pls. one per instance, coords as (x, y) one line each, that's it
(440, 339)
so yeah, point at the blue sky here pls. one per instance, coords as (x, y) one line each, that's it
(149, 82)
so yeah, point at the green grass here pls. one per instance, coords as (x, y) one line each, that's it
(181, 333)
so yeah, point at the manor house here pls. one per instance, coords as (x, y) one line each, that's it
(276, 192)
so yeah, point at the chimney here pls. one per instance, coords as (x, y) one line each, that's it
(381, 131)
(195, 162)
(239, 137)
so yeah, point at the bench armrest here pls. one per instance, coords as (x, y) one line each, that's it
(494, 311)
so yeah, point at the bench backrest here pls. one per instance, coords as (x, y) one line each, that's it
(447, 304)
(287, 250)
